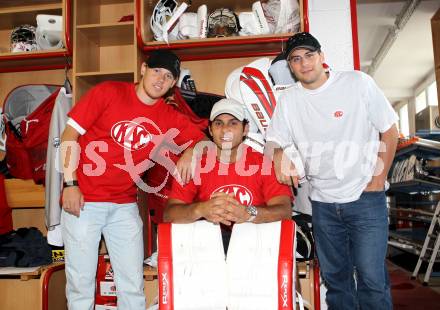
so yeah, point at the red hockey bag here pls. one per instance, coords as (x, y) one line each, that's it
(28, 110)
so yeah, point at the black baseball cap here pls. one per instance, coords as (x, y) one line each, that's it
(164, 59)
(301, 40)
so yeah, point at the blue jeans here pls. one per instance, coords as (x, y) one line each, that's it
(351, 244)
(121, 226)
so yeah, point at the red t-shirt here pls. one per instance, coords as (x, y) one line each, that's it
(119, 132)
(247, 179)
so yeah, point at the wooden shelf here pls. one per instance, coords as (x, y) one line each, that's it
(24, 194)
(109, 34)
(13, 17)
(220, 48)
(102, 11)
(33, 61)
(212, 48)
(105, 48)
(30, 8)
(15, 13)
(103, 74)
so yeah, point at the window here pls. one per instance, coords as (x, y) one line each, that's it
(421, 101)
(432, 94)
(403, 120)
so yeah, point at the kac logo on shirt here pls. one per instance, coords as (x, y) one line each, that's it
(241, 193)
(130, 135)
(338, 114)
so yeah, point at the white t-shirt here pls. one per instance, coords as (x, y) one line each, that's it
(336, 129)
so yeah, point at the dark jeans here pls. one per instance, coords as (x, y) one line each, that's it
(351, 244)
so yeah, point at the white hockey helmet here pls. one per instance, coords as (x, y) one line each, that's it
(162, 12)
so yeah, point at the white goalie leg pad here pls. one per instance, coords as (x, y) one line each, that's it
(202, 21)
(232, 91)
(198, 267)
(257, 92)
(261, 266)
(188, 26)
(248, 24)
(263, 26)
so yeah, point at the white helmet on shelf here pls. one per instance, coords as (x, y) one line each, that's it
(164, 19)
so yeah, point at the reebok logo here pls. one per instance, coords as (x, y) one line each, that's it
(165, 288)
(130, 135)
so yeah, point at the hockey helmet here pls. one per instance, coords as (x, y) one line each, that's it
(23, 39)
(223, 23)
(163, 11)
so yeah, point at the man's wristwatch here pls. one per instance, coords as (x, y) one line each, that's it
(70, 183)
(253, 212)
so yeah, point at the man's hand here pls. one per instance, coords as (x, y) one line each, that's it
(184, 166)
(234, 211)
(215, 210)
(376, 184)
(285, 170)
(73, 200)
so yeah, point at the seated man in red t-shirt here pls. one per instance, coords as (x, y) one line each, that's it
(232, 182)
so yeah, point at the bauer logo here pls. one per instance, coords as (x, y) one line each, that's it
(241, 193)
(130, 135)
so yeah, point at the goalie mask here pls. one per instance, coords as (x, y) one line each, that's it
(222, 23)
(23, 39)
(162, 12)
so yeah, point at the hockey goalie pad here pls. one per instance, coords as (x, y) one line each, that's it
(253, 23)
(191, 267)
(257, 92)
(282, 15)
(261, 266)
(164, 18)
(258, 273)
(254, 138)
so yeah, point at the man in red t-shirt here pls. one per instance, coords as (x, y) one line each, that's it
(232, 183)
(114, 133)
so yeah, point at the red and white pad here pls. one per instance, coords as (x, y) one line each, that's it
(191, 267)
(258, 274)
(261, 266)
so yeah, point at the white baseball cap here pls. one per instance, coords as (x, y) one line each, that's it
(229, 106)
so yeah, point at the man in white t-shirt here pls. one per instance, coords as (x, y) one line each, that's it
(343, 128)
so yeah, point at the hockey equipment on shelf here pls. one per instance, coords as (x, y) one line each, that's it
(282, 15)
(222, 23)
(164, 18)
(202, 21)
(187, 26)
(49, 32)
(23, 39)
(253, 23)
